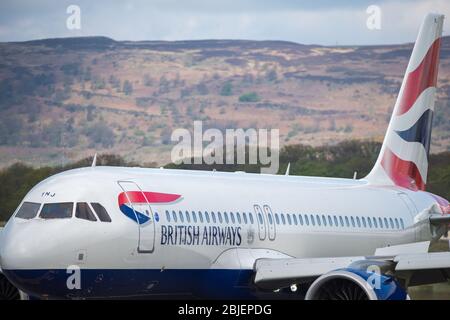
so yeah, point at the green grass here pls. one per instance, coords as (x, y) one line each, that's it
(439, 291)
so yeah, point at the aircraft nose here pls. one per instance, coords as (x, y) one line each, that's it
(17, 250)
(19, 256)
(30, 258)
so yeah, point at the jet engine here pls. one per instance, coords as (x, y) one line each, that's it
(356, 284)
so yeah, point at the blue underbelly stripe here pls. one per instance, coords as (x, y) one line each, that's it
(97, 283)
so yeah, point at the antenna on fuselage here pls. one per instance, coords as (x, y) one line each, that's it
(355, 174)
(94, 161)
(288, 169)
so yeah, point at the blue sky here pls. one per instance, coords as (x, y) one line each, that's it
(323, 22)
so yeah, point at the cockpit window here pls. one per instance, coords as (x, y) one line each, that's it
(28, 210)
(84, 212)
(57, 210)
(102, 214)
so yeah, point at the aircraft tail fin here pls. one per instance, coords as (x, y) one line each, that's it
(403, 159)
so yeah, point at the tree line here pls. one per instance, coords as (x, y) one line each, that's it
(340, 160)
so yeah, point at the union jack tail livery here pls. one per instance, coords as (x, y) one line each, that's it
(403, 159)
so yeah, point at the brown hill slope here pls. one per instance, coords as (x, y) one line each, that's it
(64, 99)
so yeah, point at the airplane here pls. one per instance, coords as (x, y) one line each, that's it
(112, 232)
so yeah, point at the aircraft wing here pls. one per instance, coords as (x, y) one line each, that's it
(411, 263)
(279, 273)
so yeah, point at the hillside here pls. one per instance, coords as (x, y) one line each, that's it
(65, 99)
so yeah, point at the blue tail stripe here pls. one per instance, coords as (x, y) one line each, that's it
(420, 131)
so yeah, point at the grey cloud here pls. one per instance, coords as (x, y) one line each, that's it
(321, 22)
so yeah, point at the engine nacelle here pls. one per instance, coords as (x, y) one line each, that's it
(355, 284)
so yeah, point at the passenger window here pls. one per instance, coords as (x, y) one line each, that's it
(364, 222)
(225, 215)
(401, 223)
(318, 220)
(200, 216)
(84, 212)
(353, 221)
(391, 222)
(244, 216)
(207, 216)
(370, 222)
(335, 221)
(277, 219)
(194, 216)
(330, 221)
(346, 221)
(396, 223)
(238, 216)
(294, 217)
(174, 216)
(28, 210)
(57, 210)
(270, 218)
(341, 221)
(188, 218)
(260, 218)
(289, 219)
(219, 215)
(324, 220)
(213, 217)
(232, 217)
(358, 222)
(306, 220)
(251, 218)
(283, 220)
(312, 220)
(300, 219)
(167, 216)
(181, 216)
(375, 224)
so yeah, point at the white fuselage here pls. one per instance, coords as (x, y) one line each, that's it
(333, 217)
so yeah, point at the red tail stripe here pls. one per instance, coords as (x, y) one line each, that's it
(423, 77)
(152, 197)
(403, 173)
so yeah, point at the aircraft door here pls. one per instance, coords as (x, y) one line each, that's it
(261, 222)
(270, 222)
(137, 201)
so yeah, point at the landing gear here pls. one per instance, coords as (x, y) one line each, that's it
(7, 290)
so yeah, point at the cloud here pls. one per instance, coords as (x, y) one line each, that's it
(321, 22)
